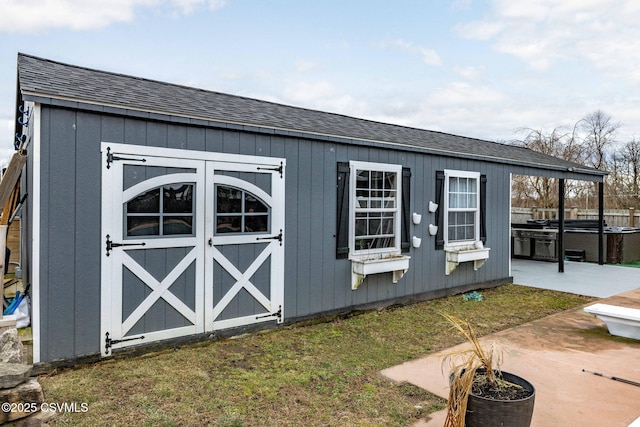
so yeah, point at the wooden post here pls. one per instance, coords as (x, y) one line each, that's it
(632, 217)
(573, 214)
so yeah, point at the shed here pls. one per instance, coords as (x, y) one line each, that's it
(162, 212)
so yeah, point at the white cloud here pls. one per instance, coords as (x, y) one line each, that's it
(543, 32)
(38, 16)
(429, 56)
(323, 96)
(470, 73)
(188, 6)
(461, 93)
(479, 30)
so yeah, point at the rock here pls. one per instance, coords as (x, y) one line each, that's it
(10, 346)
(21, 401)
(12, 374)
(39, 419)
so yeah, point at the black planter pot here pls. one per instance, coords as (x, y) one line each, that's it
(486, 412)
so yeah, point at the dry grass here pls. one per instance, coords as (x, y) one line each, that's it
(303, 375)
(463, 364)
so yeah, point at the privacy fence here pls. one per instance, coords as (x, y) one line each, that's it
(613, 217)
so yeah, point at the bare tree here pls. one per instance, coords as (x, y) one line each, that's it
(628, 174)
(528, 191)
(599, 134)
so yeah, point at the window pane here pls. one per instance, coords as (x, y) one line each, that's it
(462, 185)
(362, 179)
(361, 225)
(143, 226)
(387, 226)
(178, 198)
(229, 200)
(252, 204)
(256, 223)
(390, 180)
(452, 233)
(177, 225)
(469, 232)
(453, 184)
(148, 202)
(453, 201)
(228, 224)
(374, 226)
(377, 179)
(471, 201)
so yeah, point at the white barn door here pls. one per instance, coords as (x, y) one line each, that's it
(246, 244)
(153, 251)
(192, 242)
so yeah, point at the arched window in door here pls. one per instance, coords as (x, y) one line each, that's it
(161, 211)
(239, 211)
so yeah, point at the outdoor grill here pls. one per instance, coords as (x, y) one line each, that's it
(534, 242)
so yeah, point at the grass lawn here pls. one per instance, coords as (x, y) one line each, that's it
(313, 374)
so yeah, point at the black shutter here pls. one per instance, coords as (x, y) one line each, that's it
(440, 211)
(483, 208)
(342, 218)
(406, 210)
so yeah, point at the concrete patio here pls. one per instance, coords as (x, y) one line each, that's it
(552, 352)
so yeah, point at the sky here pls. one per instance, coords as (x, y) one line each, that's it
(483, 69)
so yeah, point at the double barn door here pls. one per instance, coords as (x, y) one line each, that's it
(192, 242)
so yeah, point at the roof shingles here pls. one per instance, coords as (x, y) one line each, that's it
(45, 78)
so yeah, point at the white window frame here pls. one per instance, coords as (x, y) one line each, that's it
(377, 253)
(448, 173)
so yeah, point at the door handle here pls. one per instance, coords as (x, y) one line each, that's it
(211, 241)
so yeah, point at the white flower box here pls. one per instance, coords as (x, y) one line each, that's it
(361, 268)
(456, 255)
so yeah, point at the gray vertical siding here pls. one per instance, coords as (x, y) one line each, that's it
(315, 282)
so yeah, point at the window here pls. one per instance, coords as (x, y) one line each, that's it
(375, 208)
(463, 214)
(461, 217)
(162, 211)
(238, 211)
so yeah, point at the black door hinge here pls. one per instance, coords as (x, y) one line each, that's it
(111, 245)
(277, 314)
(278, 169)
(108, 342)
(278, 237)
(112, 158)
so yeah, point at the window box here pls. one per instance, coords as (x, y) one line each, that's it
(361, 268)
(458, 254)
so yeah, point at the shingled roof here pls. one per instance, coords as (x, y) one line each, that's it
(47, 81)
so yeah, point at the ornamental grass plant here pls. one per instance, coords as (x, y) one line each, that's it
(473, 368)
